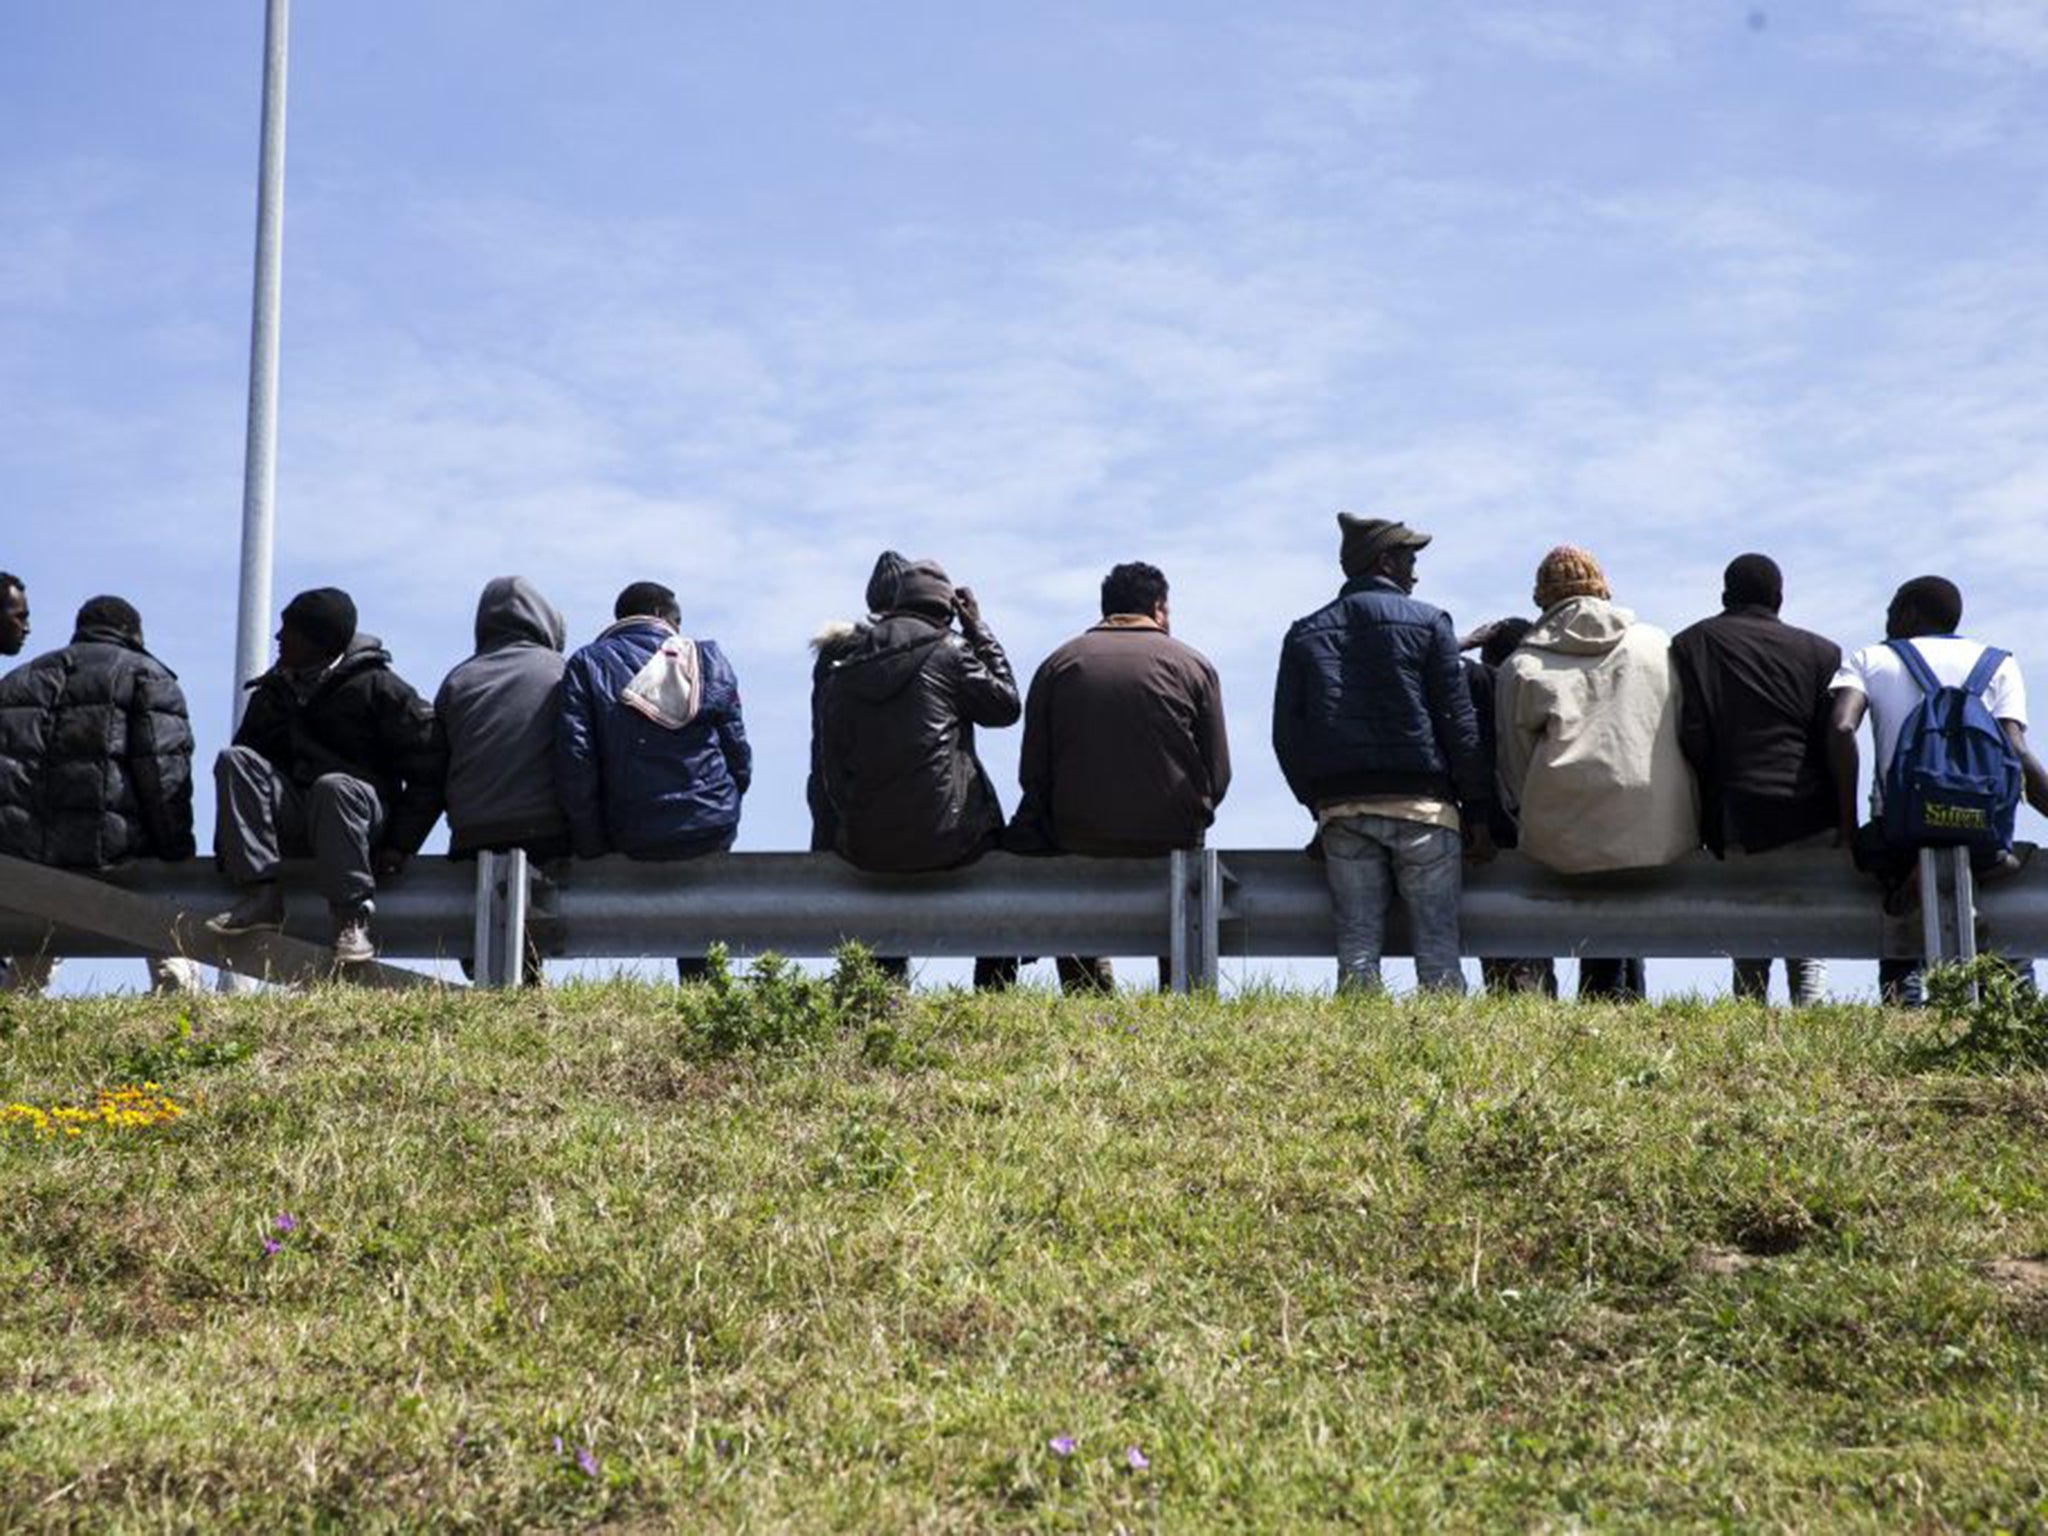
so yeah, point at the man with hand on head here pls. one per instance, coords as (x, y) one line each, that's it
(336, 756)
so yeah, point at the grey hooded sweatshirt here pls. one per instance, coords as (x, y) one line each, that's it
(497, 712)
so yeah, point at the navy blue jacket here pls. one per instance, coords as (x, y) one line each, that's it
(1372, 700)
(631, 786)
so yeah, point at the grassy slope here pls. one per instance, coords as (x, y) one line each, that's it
(1324, 1265)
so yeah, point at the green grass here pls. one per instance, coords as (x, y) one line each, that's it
(1472, 1265)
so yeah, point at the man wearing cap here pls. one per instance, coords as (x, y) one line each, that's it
(1587, 711)
(1374, 729)
(897, 708)
(336, 756)
(1753, 721)
(95, 766)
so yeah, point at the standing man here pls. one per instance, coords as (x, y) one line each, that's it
(897, 710)
(1887, 682)
(1588, 719)
(1753, 723)
(95, 765)
(1125, 753)
(336, 756)
(651, 752)
(1373, 726)
(13, 614)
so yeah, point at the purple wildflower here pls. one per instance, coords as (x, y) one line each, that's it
(272, 1246)
(1138, 1460)
(286, 1222)
(587, 1460)
(558, 1445)
(1061, 1445)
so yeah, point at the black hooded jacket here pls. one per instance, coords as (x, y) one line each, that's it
(95, 756)
(897, 708)
(362, 719)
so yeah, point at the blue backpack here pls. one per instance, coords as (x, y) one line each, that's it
(1954, 780)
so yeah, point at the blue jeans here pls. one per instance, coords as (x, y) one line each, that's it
(1368, 860)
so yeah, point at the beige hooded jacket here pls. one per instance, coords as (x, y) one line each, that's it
(1589, 754)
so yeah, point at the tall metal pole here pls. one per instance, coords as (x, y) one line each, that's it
(259, 466)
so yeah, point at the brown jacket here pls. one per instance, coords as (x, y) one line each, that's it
(1124, 748)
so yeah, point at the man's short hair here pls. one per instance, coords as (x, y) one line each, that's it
(115, 613)
(1935, 599)
(650, 599)
(9, 582)
(1134, 587)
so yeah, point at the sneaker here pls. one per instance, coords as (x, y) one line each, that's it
(352, 944)
(261, 910)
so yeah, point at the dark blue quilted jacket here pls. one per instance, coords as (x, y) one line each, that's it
(633, 787)
(1372, 700)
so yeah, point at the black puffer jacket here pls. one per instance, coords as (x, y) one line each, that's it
(1372, 700)
(897, 710)
(95, 756)
(361, 719)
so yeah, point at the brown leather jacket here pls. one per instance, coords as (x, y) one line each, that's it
(1125, 752)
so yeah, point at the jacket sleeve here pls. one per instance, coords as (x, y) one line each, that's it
(732, 727)
(577, 763)
(983, 684)
(409, 745)
(1287, 721)
(1518, 737)
(1457, 728)
(160, 763)
(824, 819)
(1211, 737)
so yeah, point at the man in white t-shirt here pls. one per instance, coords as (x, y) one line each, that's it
(1874, 681)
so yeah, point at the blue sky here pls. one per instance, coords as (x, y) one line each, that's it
(734, 296)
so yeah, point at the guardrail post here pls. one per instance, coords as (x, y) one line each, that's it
(1211, 920)
(501, 888)
(1177, 880)
(1948, 920)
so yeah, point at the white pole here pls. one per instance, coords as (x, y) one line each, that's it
(259, 466)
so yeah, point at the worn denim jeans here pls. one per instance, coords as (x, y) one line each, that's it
(1370, 859)
(1806, 981)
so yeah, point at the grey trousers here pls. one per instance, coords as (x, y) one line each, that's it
(263, 816)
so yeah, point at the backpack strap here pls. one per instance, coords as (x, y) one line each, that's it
(1982, 673)
(1916, 666)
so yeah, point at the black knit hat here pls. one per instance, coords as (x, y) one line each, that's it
(1365, 539)
(325, 615)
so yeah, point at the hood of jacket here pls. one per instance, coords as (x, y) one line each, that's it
(512, 612)
(1581, 626)
(883, 660)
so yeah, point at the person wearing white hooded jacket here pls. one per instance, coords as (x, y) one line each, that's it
(1587, 711)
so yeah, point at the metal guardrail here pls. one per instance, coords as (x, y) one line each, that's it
(1197, 908)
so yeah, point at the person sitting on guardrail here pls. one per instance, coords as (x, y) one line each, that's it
(898, 711)
(651, 751)
(335, 757)
(1922, 655)
(95, 766)
(1753, 722)
(495, 716)
(1125, 753)
(1373, 726)
(1587, 711)
(1495, 641)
